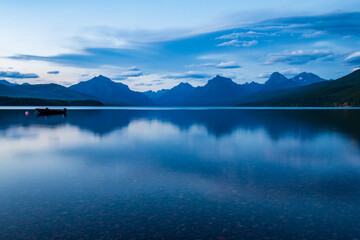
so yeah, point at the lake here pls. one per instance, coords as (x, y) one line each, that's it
(186, 173)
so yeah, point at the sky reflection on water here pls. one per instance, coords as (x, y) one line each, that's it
(180, 174)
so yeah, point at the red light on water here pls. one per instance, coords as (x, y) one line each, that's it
(26, 113)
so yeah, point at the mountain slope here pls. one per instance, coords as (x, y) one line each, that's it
(175, 95)
(305, 78)
(110, 92)
(6, 83)
(221, 91)
(218, 91)
(42, 91)
(344, 91)
(153, 95)
(14, 101)
(277, 81)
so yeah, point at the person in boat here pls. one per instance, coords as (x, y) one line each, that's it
(48, 111)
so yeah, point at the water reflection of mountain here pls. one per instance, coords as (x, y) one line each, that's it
(259, 182)
(219, 122)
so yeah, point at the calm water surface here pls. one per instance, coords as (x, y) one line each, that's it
(180, 174)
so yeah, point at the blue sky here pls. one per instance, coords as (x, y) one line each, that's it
(157, 44)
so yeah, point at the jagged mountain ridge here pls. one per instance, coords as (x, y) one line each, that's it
(219, 91)
(110, 92)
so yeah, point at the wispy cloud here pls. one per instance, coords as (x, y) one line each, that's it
(190, 74)
(228, 65)
(222, 65)
(270, 42)
(89, 57)
(250, 34)
(353, 59)
(129, 74)
(9, 74)
(335, 23)
(264, 75)
(134, 68)
(152, 50)
(313, 34)
(143, 84)
(290, 72)
(297, 57)
(53, 72)
(237, 43)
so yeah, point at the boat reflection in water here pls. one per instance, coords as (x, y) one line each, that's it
(47, 111)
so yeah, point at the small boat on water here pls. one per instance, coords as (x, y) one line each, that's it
(48, 111)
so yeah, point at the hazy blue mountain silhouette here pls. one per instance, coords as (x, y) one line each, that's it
(222, 91)
(176, 95)
(344, 91)
(7, 83)
(153, 95)
(219, 91)
(109, 92)
(42, 91)
(278, 81)
(305, 78)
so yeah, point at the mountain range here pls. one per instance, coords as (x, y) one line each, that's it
(221, 91)
(305, 89)
(7, 83)
(343, 92)
(42, 94)
(112, 93)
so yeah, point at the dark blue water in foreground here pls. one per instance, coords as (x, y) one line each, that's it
(180, 174)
